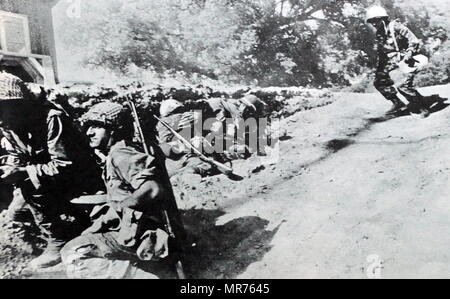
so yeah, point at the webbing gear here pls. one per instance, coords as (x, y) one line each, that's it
(167, 224)
(392, 31)
(420, 60)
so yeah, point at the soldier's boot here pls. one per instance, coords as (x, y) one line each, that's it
(49, 258)
(422, 112)
(398, 106)
(18, 209)
(418, 107)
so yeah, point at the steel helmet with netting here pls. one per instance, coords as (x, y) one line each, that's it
(11, 87)
(253, 102)
(108, 114)
(375, 12)
(169, 106)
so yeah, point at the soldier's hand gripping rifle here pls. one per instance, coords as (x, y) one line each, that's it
(168, 225)
(219, 166)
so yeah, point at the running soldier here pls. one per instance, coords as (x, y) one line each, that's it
(397, 46)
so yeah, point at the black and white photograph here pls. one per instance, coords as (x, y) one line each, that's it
(226, 140)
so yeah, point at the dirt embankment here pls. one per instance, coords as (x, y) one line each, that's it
(351, 194)
(345, 187)
(19, 244)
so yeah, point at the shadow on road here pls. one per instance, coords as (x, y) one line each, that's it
(336, 145)
(5, 196)
(435, 102)
(225, 251)
(438, 107)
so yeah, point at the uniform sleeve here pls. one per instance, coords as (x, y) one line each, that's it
(164, 134)
(133, 167)
(414, 44)
(59, 161)
(177, 122)
(187, 121)
(221, 114)
(12, 156)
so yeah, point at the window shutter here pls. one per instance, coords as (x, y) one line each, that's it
(15, 36)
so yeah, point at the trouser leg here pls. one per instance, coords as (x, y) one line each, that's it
(56, 217)
(195, 165)
(18, 209)
(58, 225)
(385, 85)
(99, 256)
(408, 90)
(52, 231)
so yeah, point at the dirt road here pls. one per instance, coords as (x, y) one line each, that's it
(351, 195)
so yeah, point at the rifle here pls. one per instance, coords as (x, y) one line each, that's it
(168, 225)
(219, 166)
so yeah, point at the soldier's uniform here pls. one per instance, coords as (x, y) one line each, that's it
(120, 238)
(233, 114)
(59, 164)
(393, 41)
(6, 195)
(187, 124)
(223, 109)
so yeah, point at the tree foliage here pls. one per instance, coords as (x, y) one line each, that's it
(262, 42)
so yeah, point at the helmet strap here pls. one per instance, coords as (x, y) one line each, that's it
(385, 27)
(104, 148)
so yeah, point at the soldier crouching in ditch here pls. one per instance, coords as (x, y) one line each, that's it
(137, 232)
(47, 163)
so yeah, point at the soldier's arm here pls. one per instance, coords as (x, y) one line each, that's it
(12, 169)
(12, 153)
(147, 195)
(139, 171)
(414, 44)
(59, 161)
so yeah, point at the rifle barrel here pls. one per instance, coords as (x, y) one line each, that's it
(178, 265)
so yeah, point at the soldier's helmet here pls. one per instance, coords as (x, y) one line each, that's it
(168, 107)
(254, 103)
(11, 87)
(375, 12)
(109, 114)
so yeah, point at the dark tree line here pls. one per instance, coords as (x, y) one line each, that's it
(318, 43)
